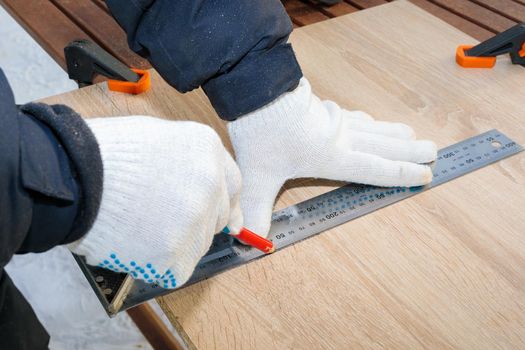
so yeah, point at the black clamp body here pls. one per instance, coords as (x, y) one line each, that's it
(511, 41)
(85, 59)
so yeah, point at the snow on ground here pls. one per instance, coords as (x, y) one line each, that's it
(31, 72)
(51, 281)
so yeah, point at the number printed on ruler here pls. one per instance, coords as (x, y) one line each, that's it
(341, 205)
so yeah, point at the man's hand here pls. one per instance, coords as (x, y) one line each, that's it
(168, 188)
(299, 135)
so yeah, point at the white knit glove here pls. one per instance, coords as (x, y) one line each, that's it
(168, 188)
(298, 135)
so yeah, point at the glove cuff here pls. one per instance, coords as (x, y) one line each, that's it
(286, 112)
(127, 178)
(294, 102)
(83, 151)
(142, 199)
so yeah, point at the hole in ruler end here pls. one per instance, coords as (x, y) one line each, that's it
(496, 144)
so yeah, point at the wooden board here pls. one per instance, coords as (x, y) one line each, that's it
(442, 270)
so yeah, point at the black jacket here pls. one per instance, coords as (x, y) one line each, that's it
(236, 50)
(50, 189)
(50, 165)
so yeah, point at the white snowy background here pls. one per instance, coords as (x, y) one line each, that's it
(52, 282)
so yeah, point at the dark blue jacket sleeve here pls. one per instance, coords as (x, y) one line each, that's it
(50, 176)
(50, 189)
(16, 315)
(236, 50)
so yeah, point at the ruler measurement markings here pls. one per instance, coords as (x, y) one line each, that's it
(313, 216)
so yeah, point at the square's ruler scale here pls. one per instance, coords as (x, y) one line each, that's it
(118, 292)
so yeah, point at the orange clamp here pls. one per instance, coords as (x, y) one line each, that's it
(471, 61)
(522, 51)
(130, 87)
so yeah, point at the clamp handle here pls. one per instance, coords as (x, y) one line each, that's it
(85, 59)
(483, 55)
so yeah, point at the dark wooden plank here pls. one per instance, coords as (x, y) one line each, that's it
(364, 4)
(155, 331)
(102, 28)
(521, 2)
(303, 13)
(476, 14)
(507, 8)
(102, 5)
(459, 22)
(46, 24)
(336, 10)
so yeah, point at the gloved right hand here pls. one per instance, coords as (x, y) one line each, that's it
(168, 187)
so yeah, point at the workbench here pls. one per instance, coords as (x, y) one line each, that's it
(444, 269)
(55, 23)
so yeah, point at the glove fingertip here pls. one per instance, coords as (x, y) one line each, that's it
(404, 131)
(428, 151)
(236, 220)
(416, 174)
(427, 175)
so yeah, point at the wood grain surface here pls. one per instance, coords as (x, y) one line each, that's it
(442, 270)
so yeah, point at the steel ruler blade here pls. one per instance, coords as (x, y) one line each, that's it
(318, 214)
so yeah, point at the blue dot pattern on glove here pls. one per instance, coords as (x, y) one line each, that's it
(148, 273)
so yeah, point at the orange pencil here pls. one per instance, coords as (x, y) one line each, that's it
(253, 240)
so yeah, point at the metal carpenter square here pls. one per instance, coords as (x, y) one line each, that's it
(318, 214)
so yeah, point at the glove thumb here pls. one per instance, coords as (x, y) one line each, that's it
(257, 200)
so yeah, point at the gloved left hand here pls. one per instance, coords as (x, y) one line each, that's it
(298, 135)
(168, 187)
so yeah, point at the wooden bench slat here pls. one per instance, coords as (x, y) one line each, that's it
(46, 24)
(476, 14)
(54, 23)
(153, 328)
(459, 22)
(337, 10)
(303, 13)
(106, 32)
(507, 8)
(102, 5)
(364, 4)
